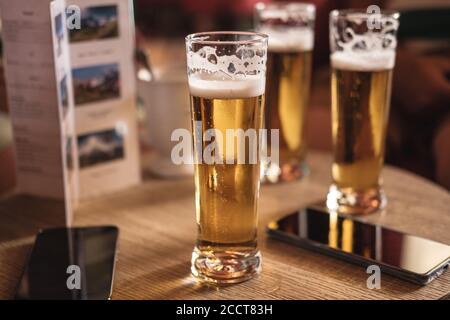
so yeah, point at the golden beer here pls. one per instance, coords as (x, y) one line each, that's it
(226, 76)
(226, 194)
(362, 61)
(287, 91)
(290, 26)
(360, 110)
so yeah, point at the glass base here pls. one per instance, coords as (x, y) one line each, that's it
(274, 173)
(349, 201)
(222, 268)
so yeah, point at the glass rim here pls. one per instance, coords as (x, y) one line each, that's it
(362, 13)
(296, 6)
(199, 38)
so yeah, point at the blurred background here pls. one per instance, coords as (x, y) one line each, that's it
(419, 126)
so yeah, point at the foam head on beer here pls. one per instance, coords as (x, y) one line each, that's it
(238, 75)
(289, 39)
(363, 61)
(290, 26)
(359, 43)
(219, 88)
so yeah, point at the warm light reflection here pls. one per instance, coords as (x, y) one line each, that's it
(333, 230)
(273, 225)
(347, 235)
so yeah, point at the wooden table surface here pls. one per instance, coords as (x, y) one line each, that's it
(157, 234)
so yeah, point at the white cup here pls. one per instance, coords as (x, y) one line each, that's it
(166, 103)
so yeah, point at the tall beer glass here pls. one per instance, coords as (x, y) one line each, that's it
(290, 27)
(226, 74)
(362, 59)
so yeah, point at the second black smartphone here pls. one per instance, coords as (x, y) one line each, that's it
(404, 255)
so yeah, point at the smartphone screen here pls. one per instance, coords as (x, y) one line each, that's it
(343, 236)
(71, 264)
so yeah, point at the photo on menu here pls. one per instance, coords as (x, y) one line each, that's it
(59, 32)
(97, 23)
(64, 96)
(69, 153)
(96, 83)
(100, 147)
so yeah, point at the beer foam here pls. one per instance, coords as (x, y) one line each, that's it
(226, 88)
(363, 61)
(289, 39)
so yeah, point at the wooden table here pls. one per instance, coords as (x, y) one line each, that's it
(158, 232)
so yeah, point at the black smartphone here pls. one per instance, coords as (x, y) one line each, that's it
(403, 255)
(70, 264)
